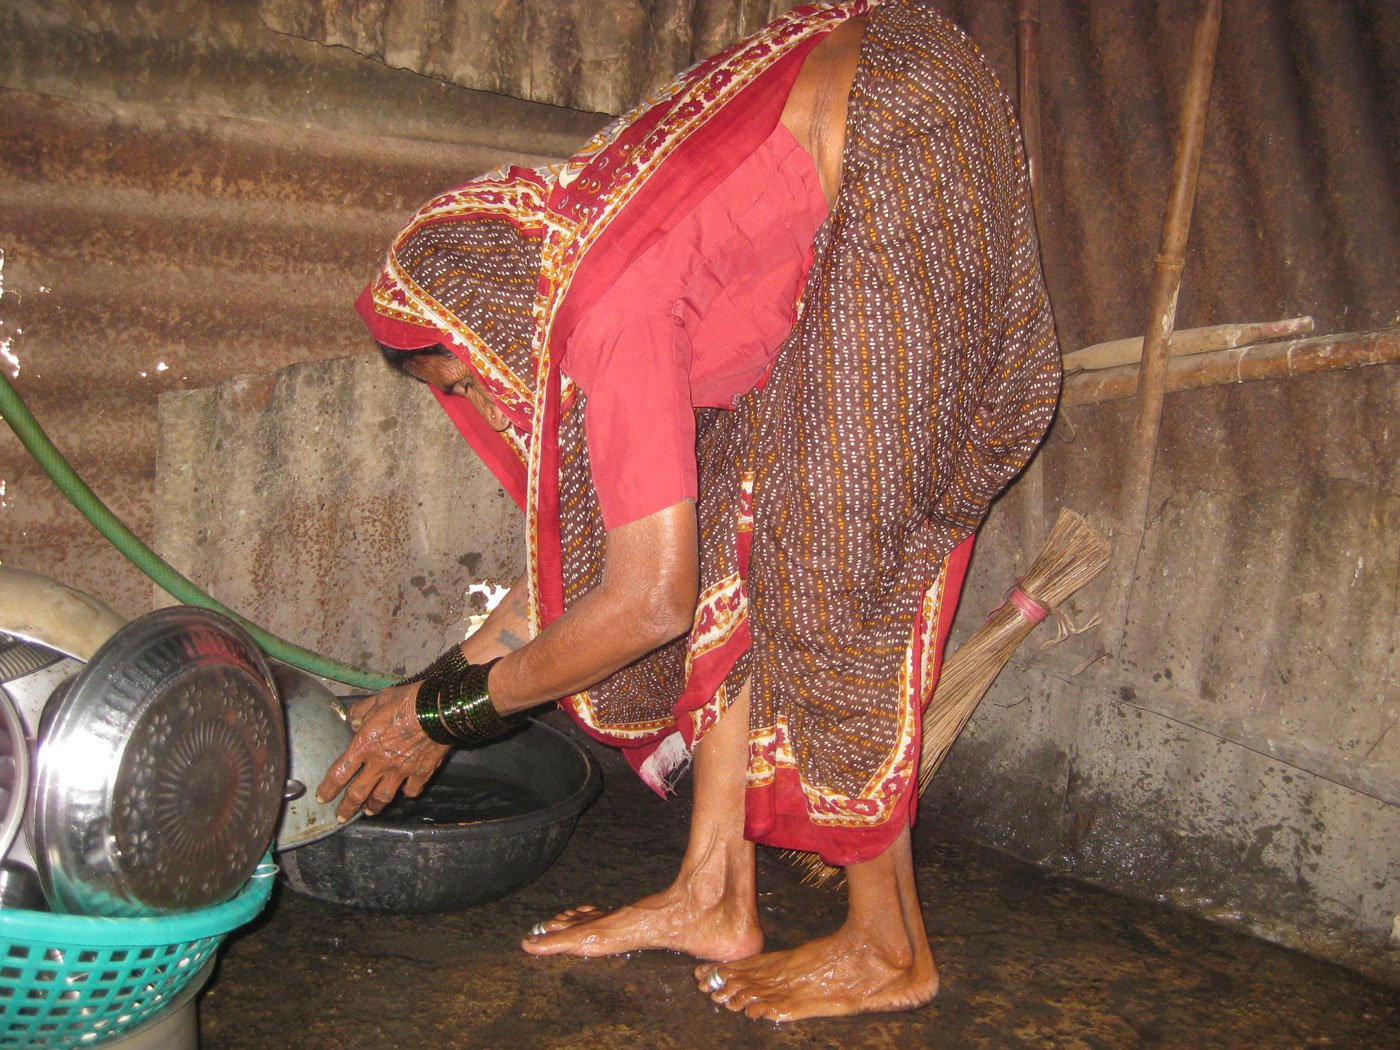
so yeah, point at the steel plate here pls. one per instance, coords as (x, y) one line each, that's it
(14, 773)
(161, 775)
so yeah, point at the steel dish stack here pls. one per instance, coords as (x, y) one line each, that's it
(157, 783)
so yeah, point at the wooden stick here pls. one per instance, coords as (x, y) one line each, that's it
(1028, 90)
(1189, 341)
(1031, 484)
(1136, 485)
(1298, 357)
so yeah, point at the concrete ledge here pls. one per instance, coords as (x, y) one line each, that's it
(334, 504)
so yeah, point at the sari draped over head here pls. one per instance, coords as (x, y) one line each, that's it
(836, 504)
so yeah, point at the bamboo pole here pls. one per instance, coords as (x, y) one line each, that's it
(1161, 320)
(1189, 341)
(1028, 90)
(1297, 357)
(1031, 486)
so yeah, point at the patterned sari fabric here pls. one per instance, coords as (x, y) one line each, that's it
(837, 503)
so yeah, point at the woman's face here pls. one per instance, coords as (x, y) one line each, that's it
(452, 375)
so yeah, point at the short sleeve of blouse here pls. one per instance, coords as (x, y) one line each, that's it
(631, 358)
(695, 320)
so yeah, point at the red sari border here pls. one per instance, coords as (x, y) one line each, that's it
(781, 811)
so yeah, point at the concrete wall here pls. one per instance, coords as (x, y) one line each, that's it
(334, 504)
(1241, 759)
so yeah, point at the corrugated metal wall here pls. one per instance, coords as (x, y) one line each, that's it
(1297, 209)
(148, 252)
(151, 247)
(584, 55)
(1297, 213)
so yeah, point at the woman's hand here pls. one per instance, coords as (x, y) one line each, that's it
(390, 751)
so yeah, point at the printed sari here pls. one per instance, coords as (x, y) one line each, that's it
(837, 503)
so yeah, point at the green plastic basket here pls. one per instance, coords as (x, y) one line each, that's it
(74, 980)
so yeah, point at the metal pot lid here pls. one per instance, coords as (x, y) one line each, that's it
(318, 732)
(161, 774)
(14, 773)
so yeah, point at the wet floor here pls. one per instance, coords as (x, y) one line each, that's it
(1027, 960)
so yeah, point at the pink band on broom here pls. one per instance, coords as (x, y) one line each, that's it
(1027, 606)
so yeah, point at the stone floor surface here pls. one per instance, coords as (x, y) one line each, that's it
(1027, 960)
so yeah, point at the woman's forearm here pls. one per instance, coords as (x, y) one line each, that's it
(647, 597)
(585, 645)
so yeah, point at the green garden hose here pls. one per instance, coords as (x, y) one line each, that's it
(62, 474)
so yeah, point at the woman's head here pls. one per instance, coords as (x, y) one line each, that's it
(439, 367)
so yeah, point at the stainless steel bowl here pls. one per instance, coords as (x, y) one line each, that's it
(47, 631)
(318, 733)
(160, 777)
(14, 773)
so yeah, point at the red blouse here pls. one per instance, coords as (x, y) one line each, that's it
(694, 322)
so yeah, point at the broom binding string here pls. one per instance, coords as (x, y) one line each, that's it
(1027, 606)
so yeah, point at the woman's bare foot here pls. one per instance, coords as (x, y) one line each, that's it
(677, 919)
(711, 910)
(828, 977)
(879, 960)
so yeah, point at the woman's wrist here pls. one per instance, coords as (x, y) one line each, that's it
(454, 704)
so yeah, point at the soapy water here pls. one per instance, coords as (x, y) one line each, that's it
(463, 800)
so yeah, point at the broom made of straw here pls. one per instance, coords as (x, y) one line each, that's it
(1073, 554)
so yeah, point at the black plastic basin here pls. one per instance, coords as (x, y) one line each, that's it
(491, 821)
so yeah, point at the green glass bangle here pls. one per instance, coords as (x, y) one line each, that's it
(450, 662)
(466, 708)
(430, 715)
(455, 707)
